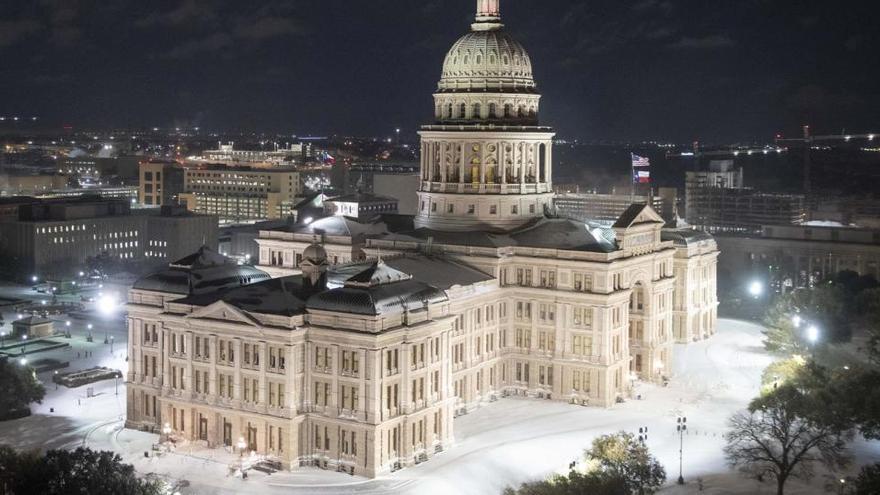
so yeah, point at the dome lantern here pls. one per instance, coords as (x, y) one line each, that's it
(488, 15)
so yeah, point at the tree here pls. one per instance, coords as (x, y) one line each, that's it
(576, 483)
(785, 433)
(868, 481)
(828, 306)
(623, 457)
(69, 472)
(18, 388)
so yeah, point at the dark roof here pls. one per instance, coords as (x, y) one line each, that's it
(361, 197)
(278, 296)
(199, 273)
(685, 237)
(438, 271)
(543, 233)
(369, 288)
(378, 273)
(379, 299)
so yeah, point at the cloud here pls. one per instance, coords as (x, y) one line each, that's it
(269, 27)
(11, 32)
(710, 42)
(188, 12)
(212, 43)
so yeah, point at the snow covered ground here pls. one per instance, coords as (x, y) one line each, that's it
(504, 443)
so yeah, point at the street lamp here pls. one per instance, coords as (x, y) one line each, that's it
(2, 339)
(112, 338)
(796, 321)
(166, 430)
(22, 361)
(813, 334)
(756, 288)
(681, 427)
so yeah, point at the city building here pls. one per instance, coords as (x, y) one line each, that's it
(242, 194)
(360, 205)
(55, 238)
(587, 207)
(293, 154)
(373, 335)
(716, 201)
(29, 185)
(161, 183)
(402, 186)
(796, 256)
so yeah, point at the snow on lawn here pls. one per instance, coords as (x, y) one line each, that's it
(504, 443)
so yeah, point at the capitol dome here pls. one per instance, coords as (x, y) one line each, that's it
(487, 76)
(487, 60)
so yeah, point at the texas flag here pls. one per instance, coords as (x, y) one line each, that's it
(639, 164)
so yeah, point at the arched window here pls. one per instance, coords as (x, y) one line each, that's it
(449, 111)
(508, 111)
(479, 59)
(532, 113)
(492, 110)
(478, 111)
(462, 111)
(521, 112)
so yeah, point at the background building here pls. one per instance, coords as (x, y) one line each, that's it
(360, 205)
(161, 183)
(588, 207)
(794, 256)
(56, 238)
(242, 194)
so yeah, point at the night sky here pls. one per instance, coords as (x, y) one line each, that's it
(715, 70)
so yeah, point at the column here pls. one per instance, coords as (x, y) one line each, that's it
(443, 162)
(522, 166)
(502, 151)
(482, 167)
(549, 162)
(264, 387)
(461, 168)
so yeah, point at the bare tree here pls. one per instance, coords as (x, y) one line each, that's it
(785, 435)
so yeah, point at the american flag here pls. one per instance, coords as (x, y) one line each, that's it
(640, 161)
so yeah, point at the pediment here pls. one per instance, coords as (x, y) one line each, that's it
(223, 311)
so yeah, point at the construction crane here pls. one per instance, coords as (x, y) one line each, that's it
(808, 140)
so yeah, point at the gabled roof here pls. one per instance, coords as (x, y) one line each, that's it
(637, 213)
(378, 273)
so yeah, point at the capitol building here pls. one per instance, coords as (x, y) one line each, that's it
(355, 343)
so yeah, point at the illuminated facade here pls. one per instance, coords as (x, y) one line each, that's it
(372, 335)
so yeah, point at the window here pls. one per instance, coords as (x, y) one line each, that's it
(493, 210)
(471, 209)
(450, 208)
(514, 210)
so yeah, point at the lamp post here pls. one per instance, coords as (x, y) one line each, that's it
(241, 446)
(2, 339)
(112, 339)
(681, 427)
(24, 346)
(166, 431)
